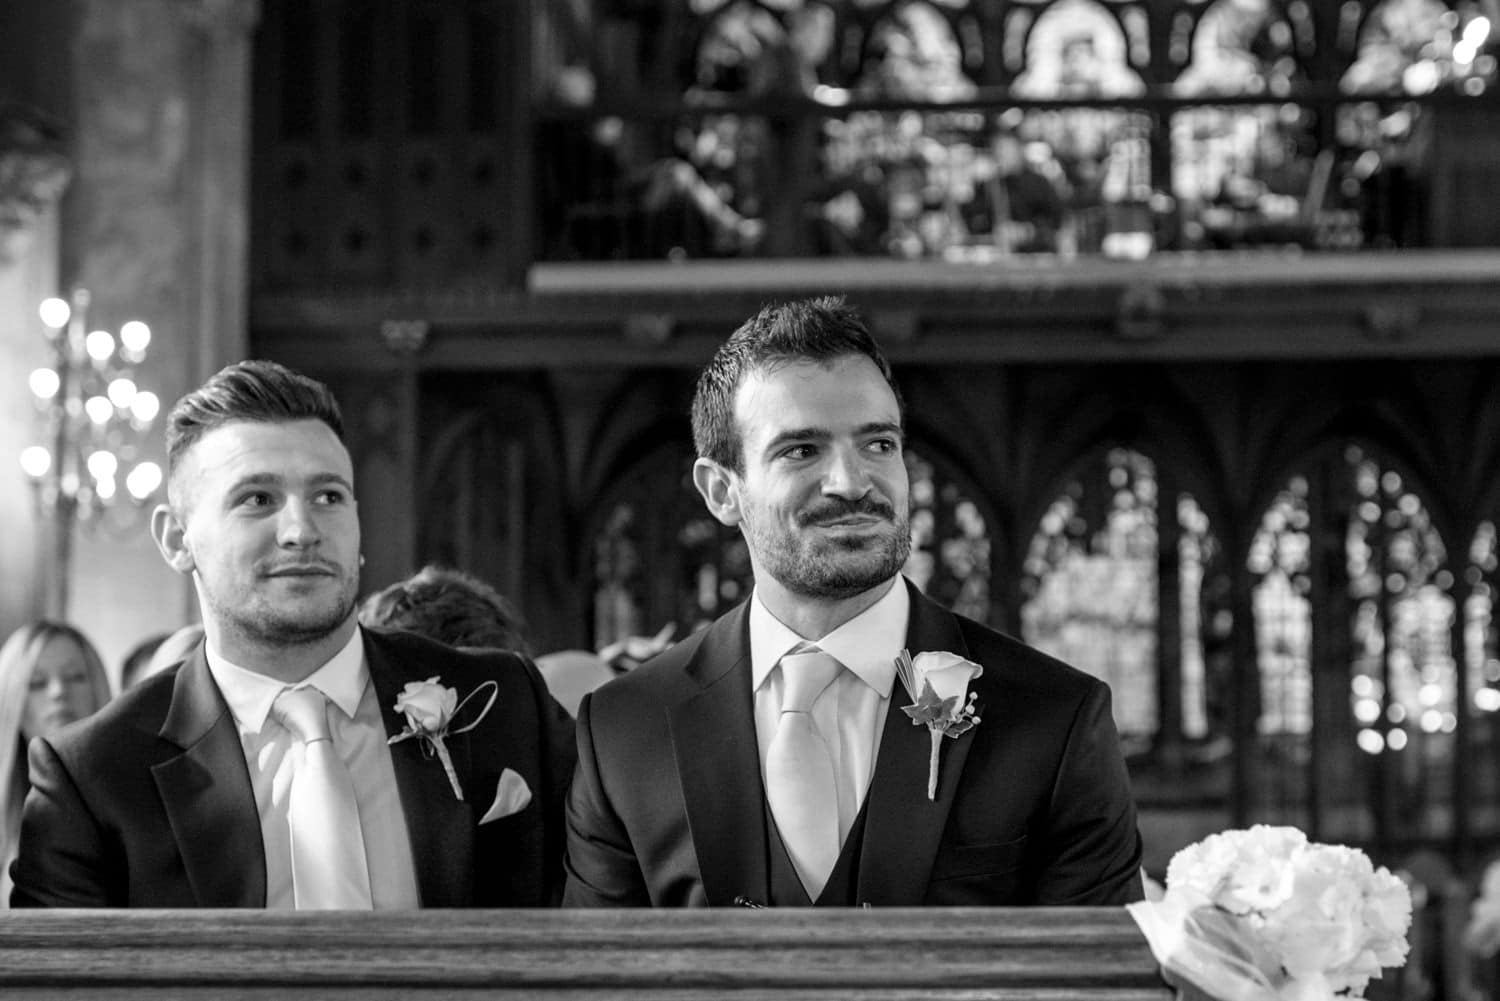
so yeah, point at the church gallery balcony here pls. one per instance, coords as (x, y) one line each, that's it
(992, 180)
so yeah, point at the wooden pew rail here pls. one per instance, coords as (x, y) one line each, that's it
(1048, 954)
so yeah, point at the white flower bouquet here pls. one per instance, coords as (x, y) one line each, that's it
(1265, 915)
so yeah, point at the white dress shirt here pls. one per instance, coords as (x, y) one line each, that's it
(850, 714)
(360, 739)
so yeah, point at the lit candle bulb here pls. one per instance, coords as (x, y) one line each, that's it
(100, 344)
(145, 407)
(102, 465)
(44, 383)
(36, 460)
(122, 392)
(55, 313)
(143, 480)
(99, 409)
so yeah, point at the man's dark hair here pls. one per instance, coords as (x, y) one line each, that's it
(819, 330)
(449, 606)
(260, 391)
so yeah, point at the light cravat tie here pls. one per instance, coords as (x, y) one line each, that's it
(328, 847)
(800, 784)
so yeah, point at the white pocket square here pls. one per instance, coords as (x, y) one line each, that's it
(511, 796)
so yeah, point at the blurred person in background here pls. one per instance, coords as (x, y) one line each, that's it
(50, 676)
(171, 649)
(572, 674)
(449, 606)
(133, 667)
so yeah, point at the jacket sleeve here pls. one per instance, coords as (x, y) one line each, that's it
(1093, 845)
(63, 858)
(601, 865)
(560, 756)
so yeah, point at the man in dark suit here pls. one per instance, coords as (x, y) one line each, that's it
(261, 772)
(707, 777)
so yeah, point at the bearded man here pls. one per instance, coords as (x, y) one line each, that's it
(295, 760)
(771, 759)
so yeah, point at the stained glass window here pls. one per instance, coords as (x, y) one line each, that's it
(1387, 706)
(950, 547)
(1482, 660)
(781, 169)
(1091, 590)
(1280, 560)
(1403, 677)
(660, 557)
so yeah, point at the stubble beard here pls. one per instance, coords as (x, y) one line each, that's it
(265, 625)
(830, 569)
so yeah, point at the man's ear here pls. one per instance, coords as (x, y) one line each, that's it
(720, 490)
(169, 535)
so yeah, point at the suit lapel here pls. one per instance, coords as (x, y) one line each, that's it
(903, 827)
(441, 827)
(713, 737)
(207, 795)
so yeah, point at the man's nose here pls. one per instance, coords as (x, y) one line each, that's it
(298, 526)
(846, 475)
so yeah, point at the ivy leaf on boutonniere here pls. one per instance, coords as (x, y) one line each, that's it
(430, 709)
(940, 683)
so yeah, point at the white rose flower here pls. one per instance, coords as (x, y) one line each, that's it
(428, 706)
(947, 673)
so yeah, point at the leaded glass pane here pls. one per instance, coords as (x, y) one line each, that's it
(1091, 587)
(950, 543)
(1482, 660)
(1403, 677)
(1280, 562)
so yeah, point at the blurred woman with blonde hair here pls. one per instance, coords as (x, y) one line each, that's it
(50, 675)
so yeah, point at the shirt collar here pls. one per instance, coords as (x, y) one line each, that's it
(249, 695)
(867, 644)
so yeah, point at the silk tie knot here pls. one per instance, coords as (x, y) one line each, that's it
(804, 677)
(304, 711)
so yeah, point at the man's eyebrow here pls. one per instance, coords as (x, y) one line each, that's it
(878, 427)
(796, 434)
(323, 479)
(276, 479)
(256, 480)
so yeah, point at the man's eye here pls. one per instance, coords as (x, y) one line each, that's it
(797, 452)
(885, 446)
(257, 499)
(332, 497)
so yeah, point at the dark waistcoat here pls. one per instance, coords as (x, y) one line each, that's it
(786, 886)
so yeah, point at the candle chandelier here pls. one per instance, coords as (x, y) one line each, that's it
(94, 415)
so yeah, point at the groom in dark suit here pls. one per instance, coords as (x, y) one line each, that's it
(776, 757)
(258, 773)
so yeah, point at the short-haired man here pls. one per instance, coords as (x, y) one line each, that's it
(769, 758)
(258, 773)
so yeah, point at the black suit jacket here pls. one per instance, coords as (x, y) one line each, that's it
(1033, 805)
(148, 803)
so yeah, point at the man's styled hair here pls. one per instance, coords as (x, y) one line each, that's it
(819, 330)
(259, 391)
(449, 606)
